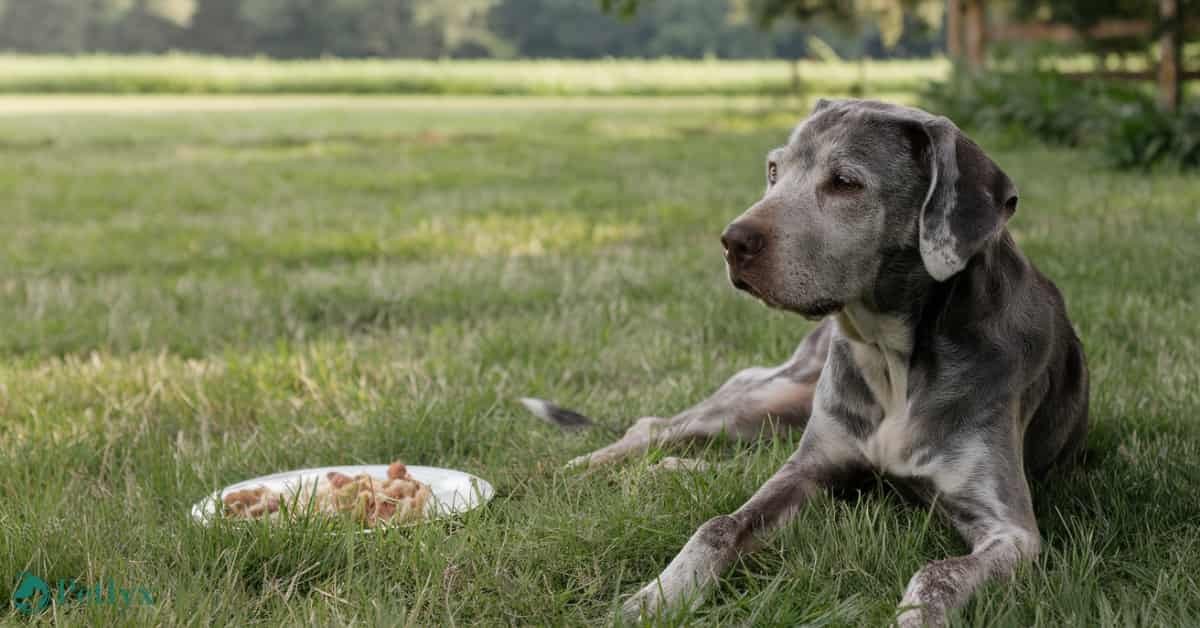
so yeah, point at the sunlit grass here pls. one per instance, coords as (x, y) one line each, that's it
(189, 298)
(199, 74)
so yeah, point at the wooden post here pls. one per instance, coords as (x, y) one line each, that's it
(954, 30)
(1169, 78)
(862, 75)
(976, 27)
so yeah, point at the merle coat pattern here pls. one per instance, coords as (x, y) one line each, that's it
(945, 360)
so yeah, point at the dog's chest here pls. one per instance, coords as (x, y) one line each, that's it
(889, 446)
(880, 349)
(896, 445)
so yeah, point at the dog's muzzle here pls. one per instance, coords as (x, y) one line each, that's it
(743, 242)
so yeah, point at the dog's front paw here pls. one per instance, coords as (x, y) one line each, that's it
(912, 618)
(642, 604)
(594, 459)
(579, 462)
(916, 611)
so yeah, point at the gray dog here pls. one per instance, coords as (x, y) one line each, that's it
(945, 361)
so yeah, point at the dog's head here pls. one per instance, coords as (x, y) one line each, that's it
(861, 186)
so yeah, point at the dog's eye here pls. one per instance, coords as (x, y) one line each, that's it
(772, 173)
(842, 183)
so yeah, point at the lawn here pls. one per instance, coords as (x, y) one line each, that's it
(182, 73)
(189, 298)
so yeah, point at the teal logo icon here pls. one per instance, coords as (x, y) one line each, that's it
(32, 594)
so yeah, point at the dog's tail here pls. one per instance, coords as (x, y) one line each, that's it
(556, 415)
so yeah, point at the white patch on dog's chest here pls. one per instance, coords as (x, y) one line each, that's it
(889, 447)
(880, 347)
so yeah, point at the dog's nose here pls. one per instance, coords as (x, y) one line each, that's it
(742, 242)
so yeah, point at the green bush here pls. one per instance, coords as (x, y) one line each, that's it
(1140, 134)
(1121, 121)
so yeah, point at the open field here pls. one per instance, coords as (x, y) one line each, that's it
(189, 298)
(140, 104)
(191, 74)
(195, 74)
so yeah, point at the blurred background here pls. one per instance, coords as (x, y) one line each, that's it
(619, 47)
(432, 29)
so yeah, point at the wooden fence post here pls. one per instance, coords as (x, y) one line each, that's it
(1170, 47)
(954, 30)
(976, 27)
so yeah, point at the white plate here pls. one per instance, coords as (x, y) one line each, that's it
(453, 491)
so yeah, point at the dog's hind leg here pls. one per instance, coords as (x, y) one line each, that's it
(752, 402)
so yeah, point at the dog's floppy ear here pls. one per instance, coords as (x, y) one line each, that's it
(823, 104)
(968, 202)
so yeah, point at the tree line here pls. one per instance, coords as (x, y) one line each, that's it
(450, 28)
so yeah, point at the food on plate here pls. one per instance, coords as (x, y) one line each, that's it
(367, 499)
(251, 503)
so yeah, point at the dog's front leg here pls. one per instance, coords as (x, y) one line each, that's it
(717, 543)
(994, 513)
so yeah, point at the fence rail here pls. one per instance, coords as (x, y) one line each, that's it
(967, 34)
(1065, 33)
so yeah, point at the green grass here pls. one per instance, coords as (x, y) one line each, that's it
(216, 75)
(191, 298)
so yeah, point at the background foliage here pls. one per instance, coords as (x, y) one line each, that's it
(462, 28)
(1120, 121)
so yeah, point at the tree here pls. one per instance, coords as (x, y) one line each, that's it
(361, 28)
(218, 27)
(146, 26)
(698, 28)
(677, 28)
(889, 17)
(564, 28)
(767, 11)
(444, 28)
(389, 29)
(45, 26)
(460, 25)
